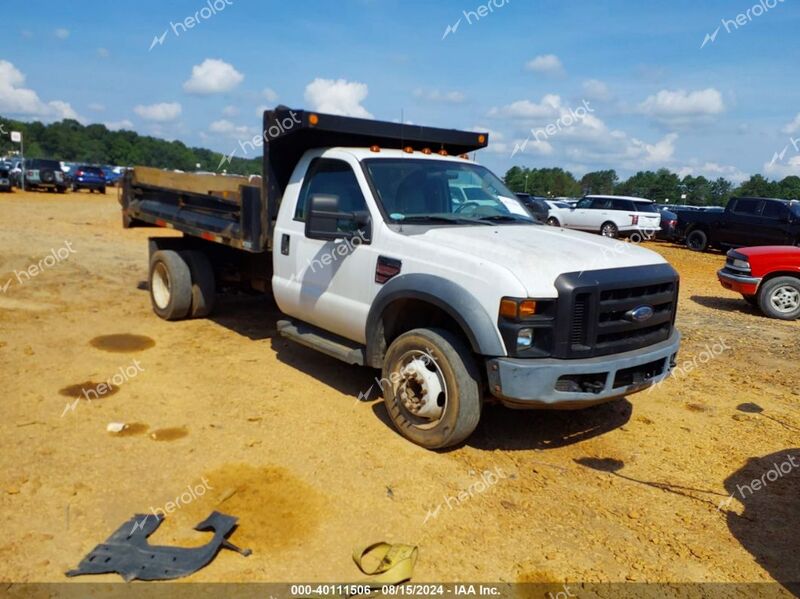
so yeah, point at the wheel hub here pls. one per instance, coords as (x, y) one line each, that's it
(420, 389)
(785, 299)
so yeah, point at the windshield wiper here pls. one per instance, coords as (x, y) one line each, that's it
(506, 218)
(440, 218)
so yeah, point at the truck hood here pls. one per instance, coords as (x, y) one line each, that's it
(538, 255)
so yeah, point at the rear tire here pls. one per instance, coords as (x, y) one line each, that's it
(780, 298)
(697, 240)
(204, 284)
(103, 190)
(446, 363)
(170, 285)
(609, 230)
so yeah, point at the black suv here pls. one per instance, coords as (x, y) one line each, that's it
(535, 205)
(41, 173)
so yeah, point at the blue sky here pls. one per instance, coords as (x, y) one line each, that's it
(656, 98)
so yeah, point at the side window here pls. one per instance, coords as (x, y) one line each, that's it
(584, 203)
(330, 177)
(601, 204)
(747, 206)
(625, 205)
(775, 210)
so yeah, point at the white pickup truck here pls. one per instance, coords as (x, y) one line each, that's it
(362, 232)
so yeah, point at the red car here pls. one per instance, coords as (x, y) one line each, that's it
(767, 277)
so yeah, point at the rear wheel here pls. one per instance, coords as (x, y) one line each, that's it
(553, 222)
(431, 387)
(204, 285)
(609, 229)
(697, 240)
(780, 298)
(103, 190)
(170, 285)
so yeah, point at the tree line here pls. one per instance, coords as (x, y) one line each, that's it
(660, 185)
(70, 141)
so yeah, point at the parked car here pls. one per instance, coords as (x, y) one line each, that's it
(458, 302)
(89, 177)
(112, 176)
(744, 222)
(557, 208)
(16, 173)
(614, 216)
(767, 277)
(537, 206)
(5, 176)
(669, 225)
(41, 173)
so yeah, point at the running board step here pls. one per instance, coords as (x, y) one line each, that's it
(322, 341)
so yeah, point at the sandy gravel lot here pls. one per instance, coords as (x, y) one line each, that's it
(643, 489)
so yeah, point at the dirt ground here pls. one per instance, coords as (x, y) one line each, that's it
(644, 489)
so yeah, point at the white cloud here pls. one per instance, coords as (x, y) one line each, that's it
(794, 126)
(159, 113)
(15, 99)
(212, 76)
(681, 107)
(270, 95)
(228, 129)
(548, 64)
(230, 111)
(712, 170)
(338, 97)
(660, 152)
(62, 33)
(103, 52)
(597, 90)
(434, 95)
(779, 170)
(97, 107)
(117, 125)
(548, 108)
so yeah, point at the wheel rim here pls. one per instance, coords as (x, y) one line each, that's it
(785, 299)
(608, 230)
(160, 285)
(552, 222)
(420, 388)
(694, 241)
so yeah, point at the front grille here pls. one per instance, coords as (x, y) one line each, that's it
(599, 307)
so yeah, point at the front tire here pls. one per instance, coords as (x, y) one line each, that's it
(780, 298)
(424, 363)
(553, 222)
(170, 285)
(609, 230)
(697, 241)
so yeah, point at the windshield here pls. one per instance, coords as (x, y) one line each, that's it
(795, 208)
(645, 207)
(415, 189)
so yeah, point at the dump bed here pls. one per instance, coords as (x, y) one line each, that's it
(235, 212)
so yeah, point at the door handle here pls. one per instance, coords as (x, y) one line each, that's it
(285, 244)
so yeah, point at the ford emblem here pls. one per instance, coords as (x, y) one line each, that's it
(640, 314)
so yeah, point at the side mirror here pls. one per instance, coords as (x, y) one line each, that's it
(325, 221)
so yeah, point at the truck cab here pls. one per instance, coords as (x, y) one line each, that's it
(379, 260)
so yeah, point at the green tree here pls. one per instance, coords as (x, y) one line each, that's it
(599, 182)
(758, 186)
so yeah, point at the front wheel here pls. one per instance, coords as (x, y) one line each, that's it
(780, 298)
(609, 229)
(431, 387)
(170, 285)
(553, 222)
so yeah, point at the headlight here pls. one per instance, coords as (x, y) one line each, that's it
(743, 264)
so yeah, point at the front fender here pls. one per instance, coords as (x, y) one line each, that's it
(478, 326)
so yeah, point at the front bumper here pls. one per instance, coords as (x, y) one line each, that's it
(572, 384)
(746, 285)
